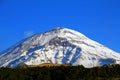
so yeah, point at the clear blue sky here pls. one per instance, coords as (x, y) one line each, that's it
(97, 19)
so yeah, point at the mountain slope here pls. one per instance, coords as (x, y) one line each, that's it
(60, 46)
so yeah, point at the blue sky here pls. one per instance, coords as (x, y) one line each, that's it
(97, 19)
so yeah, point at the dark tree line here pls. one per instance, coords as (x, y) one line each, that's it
(107, 72)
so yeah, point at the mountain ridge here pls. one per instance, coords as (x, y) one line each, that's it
(59, 46)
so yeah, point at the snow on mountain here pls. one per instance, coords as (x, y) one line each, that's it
(59, 46)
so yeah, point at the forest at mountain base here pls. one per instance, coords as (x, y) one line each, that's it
(106, 72)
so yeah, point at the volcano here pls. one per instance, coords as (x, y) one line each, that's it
(58, 46)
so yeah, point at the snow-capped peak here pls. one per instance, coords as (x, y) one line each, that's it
(65, 32)
(59, 46)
